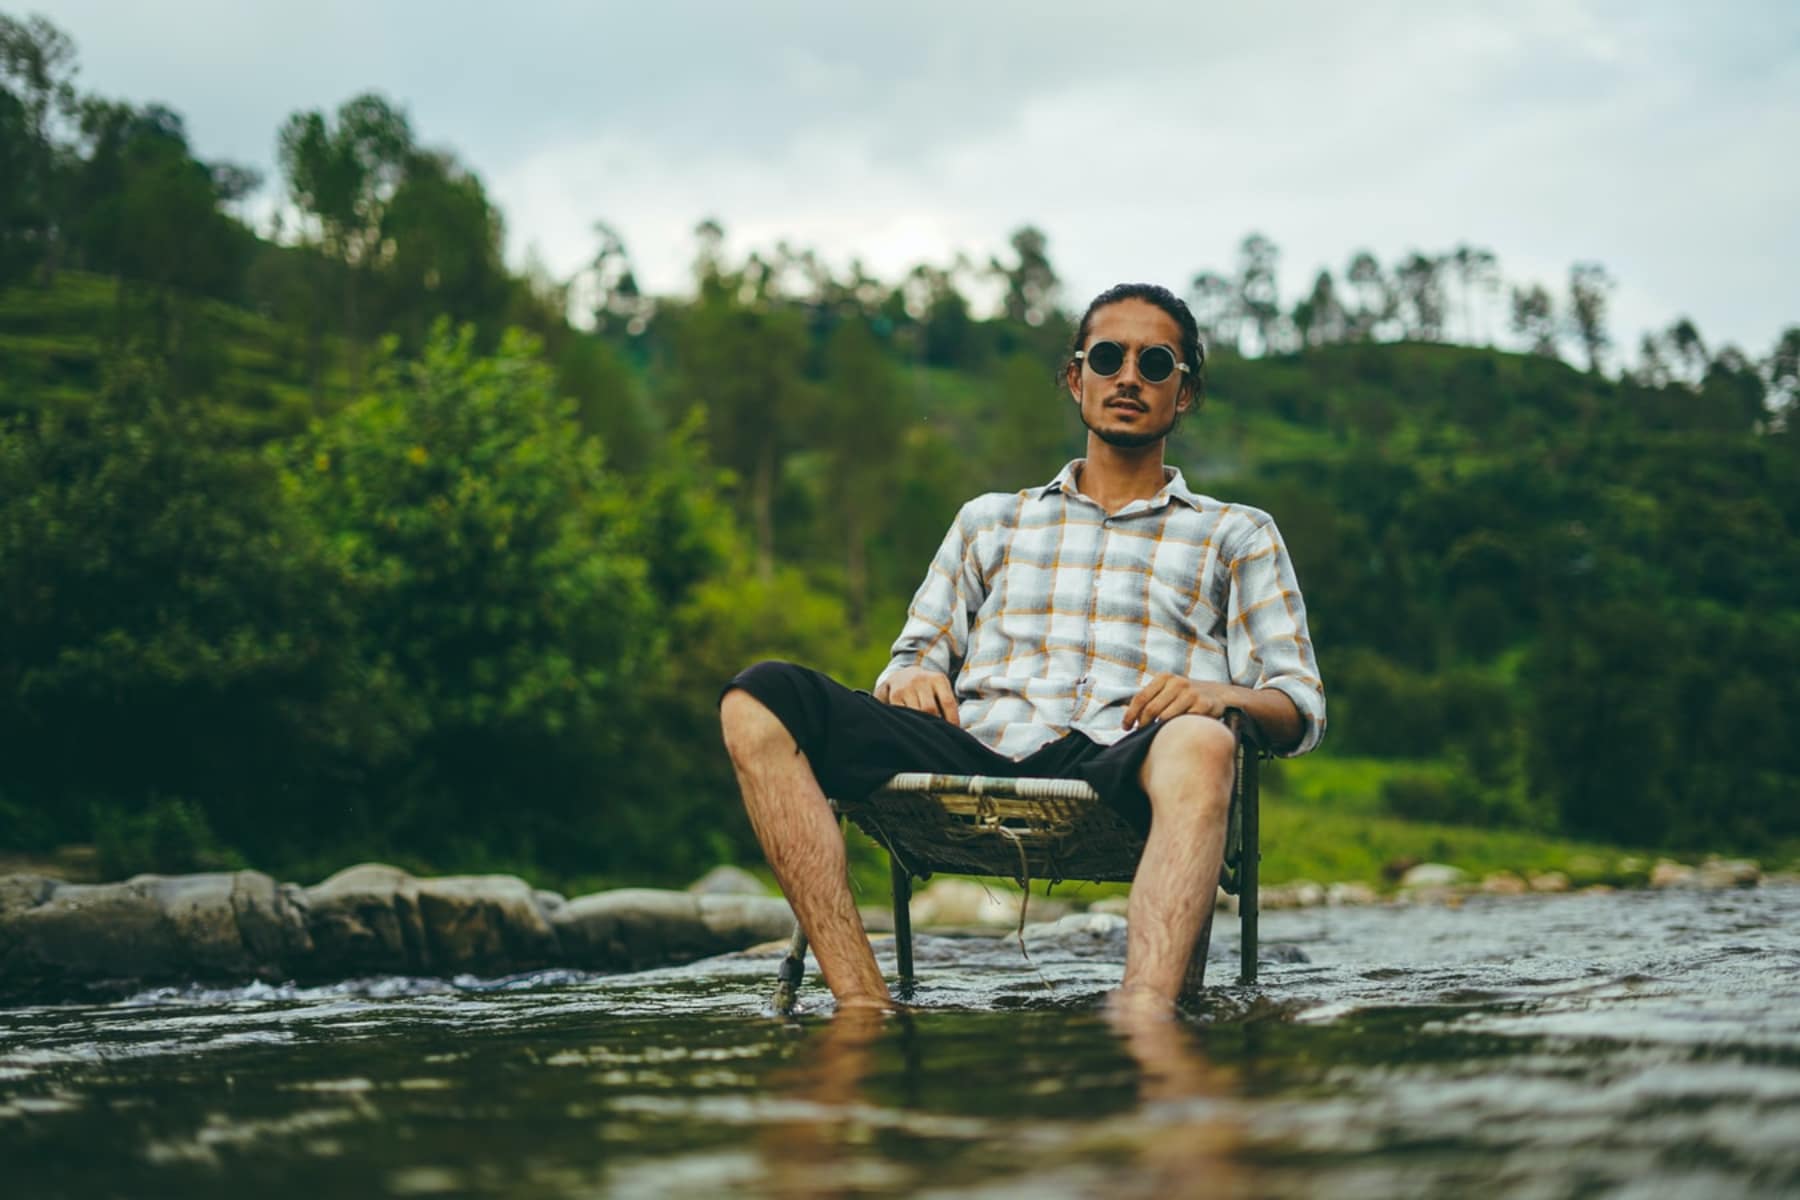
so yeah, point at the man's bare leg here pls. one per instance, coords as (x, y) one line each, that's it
(804, 847)
(1187, 775)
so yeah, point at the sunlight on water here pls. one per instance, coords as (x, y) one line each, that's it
(1640, 1044)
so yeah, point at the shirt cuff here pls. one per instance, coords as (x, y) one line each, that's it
(1310, 701)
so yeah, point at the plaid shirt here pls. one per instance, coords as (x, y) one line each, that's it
(1050, 615)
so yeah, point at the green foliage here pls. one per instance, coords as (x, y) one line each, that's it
(168, 836)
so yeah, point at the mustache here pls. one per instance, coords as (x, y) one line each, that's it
(1127, 397)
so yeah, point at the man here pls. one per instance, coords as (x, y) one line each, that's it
(1092, 628)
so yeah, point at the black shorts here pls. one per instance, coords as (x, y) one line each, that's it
(855, 743)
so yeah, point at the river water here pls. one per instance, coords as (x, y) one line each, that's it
(1640, 1044)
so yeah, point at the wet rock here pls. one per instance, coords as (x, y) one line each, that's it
(1280, 952)
(1084, 935)
(1722, 873)
(58, 937)
(726, 880)
(1433, 875)
(965, 902)
(1549, 881)
(1351, 895)
(1668, 873)
(484, 924)
(640, 927)
(1503, 883)
(1300, 893)
(378, 919)
(365, 921)
(877, 918)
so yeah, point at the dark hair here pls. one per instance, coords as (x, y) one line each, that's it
(1192, 352)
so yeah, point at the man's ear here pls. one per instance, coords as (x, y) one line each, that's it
(1072, 380)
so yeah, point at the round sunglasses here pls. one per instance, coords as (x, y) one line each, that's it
(1155, 363)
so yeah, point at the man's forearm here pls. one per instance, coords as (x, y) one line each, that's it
(1274, 712)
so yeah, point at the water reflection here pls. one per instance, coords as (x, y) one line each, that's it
(1579, 1046)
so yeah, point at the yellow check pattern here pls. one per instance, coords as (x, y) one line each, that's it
(1049, 614)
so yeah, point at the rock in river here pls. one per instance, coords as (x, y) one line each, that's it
(60, 940)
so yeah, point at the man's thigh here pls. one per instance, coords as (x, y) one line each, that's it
(854, 741)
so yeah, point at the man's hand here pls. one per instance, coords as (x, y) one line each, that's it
(1170, 695)
(922, 689)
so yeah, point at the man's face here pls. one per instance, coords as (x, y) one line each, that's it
(1125, 409)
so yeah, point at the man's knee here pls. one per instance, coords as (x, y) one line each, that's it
(750, 728)
(1190, 765)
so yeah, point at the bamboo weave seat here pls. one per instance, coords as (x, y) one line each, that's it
(1035, 829)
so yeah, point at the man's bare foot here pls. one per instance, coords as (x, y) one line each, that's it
(1138, 1005)
(883, 1003)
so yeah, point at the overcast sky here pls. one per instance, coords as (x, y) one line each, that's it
(1657, 138)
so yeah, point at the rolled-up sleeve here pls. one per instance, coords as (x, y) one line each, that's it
(1267, 643)
(936, 633)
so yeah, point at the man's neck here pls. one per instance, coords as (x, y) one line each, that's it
(1113, 476)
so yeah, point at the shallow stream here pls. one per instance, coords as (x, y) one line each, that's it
(1635, 1044)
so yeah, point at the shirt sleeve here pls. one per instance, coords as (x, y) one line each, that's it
(936, 633)
(1267, 645)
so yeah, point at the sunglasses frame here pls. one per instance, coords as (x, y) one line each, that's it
(1081, 356)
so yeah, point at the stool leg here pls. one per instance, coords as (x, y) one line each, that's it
(1193, 984)
(1250, 872)
(791, 972)
(902, 919)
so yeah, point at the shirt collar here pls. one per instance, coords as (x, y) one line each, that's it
(1174, 486)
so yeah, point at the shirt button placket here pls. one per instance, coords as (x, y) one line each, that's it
(1085, 695)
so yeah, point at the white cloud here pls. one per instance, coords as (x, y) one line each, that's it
(1627, 133)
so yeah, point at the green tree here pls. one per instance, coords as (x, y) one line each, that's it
(504, 612)
(1258, 291)
(167, 626)
(344, 176)
(1420, 278)
(860, 422)
(441, 240)
(37, 66)
(1031, 282)
(1375, 299)
(1534, 319)
(1588, 285)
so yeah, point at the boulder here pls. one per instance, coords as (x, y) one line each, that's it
(1087, 934)
(1433, 875)
(965, 902)
(484, 924)
(1351, 895)
(1721, 873)
(57, 938)
(1503, 883)
(1549, 881)
(374, 919)
(365, 921)
(1667, 874)
(726, 880)
(641, 927)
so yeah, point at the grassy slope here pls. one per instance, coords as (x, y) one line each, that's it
(53, 343)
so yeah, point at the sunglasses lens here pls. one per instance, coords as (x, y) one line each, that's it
(1106, 357)
(1156, 363)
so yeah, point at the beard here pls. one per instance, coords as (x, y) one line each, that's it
(1130, 439)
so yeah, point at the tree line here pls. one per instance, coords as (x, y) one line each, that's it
(351, 539)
